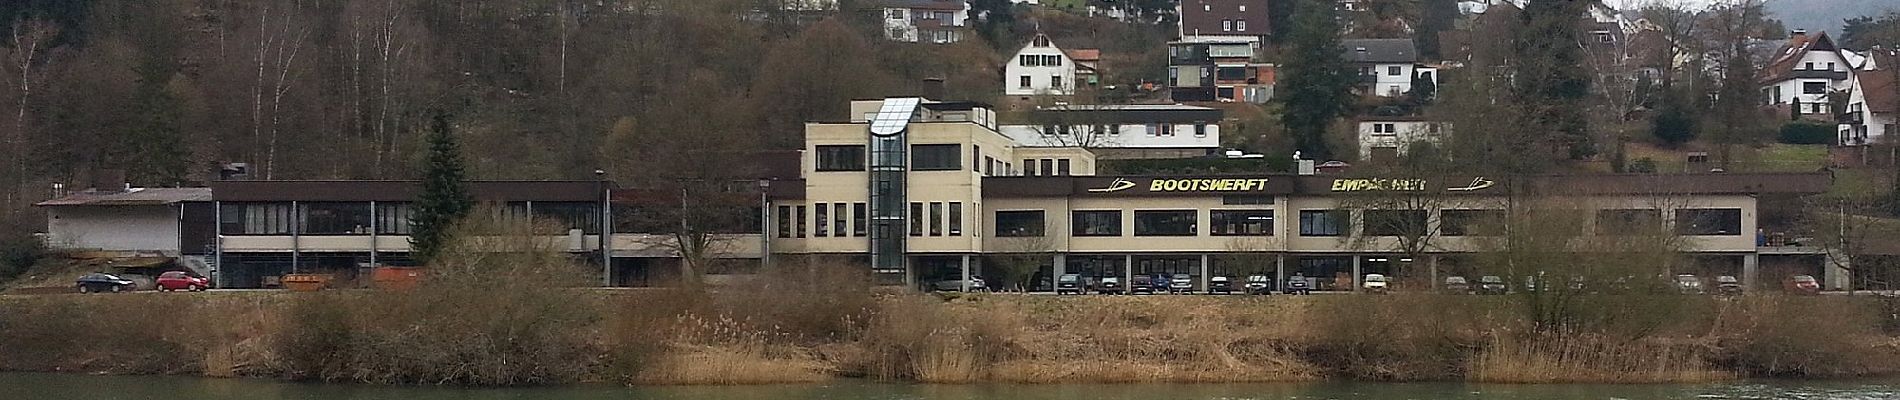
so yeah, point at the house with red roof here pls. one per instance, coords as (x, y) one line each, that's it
(1802, 72)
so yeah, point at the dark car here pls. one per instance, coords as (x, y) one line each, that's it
(1159, 282)
(1069, 283)
(1298, 285)
(1220, 284)
(1803, 284)
(1727, 285)
(953, 285)
(1259, 284)
(1457, 285)
(181, 280)
(1181, 283)
(1108, 285)
(1492, 284)
(1142, 284)
(103, 282)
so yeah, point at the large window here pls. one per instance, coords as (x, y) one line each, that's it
(936, 157)
(956, 218)
(1403, 223)
(256, 219)
(1018, 223)
(1242, 222)
(582, 216)
(1323, 222)
(785, 221)
(392, 218)
(1164, 223)
(841, 158)
(1709, 221)
(1629, 222)
(1096, 223)
(936, 218)
(799, 231)
(916, 219)
(840, 219)
(821, 220)
(859, 219)
(1814, 88)
(1471, 222)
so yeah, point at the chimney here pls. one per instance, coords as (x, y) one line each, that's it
(108, 180)
(233, 171)
(933, 89)
(1798, 34)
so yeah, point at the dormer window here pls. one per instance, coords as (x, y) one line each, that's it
(1042, 41)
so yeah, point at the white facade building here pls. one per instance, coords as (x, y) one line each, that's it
(1039, 68)
(130, 220)
(1385, 66)
(1802, 73)
(1872, 103)
(1386, 138)
(1122, 131)
(925, 21)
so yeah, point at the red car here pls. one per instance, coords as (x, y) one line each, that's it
(1803, 284)
(181, 280)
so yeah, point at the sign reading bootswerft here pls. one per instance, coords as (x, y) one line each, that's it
(1183, 185)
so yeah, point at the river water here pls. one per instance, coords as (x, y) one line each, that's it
(37, 386)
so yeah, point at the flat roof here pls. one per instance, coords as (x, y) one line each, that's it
(132, 197)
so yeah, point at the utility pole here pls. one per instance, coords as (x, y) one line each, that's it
(765, 226)
(606, 228)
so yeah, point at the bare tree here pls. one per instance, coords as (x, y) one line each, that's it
(27, 57)
(1017, 259)
(280, 35)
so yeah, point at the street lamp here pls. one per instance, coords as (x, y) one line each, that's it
(606, 228)
(765, 225)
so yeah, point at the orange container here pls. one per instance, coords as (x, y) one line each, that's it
(396, 278)
(306, 282)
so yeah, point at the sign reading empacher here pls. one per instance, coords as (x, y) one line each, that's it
(1207, 185)
(1378, 185)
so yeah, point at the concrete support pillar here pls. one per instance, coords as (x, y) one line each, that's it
(1751, 270)
(1431, 265)
(965, 264)
(1279, 271)
(1128, 274)
(1356, 274)
(1204, 270)
(910, 273)
(1838, 271)
(1061, 266)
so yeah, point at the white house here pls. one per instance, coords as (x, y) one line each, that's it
(1126, 131)
(1386, 138)
(925, 21)
(1039, 68)
(127, 220)
(1385, 66)
(1872, 103)
(1802, 73)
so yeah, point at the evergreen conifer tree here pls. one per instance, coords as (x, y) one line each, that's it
(1316, 87)
(445, 199)
(1552, 81)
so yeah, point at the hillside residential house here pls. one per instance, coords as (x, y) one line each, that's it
(1385, 66)
(925, 21)
(1119, 131)
(1039, 68)
(1088, 65)
(1224, 19)
(1384, 139)
(1873, 101)
(1217, 69)
(1802, 72)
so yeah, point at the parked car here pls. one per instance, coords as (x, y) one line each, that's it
(1688, 284)
(1159, 282)
(1376, 283)
(1220, 284)
(1298, 285)
(1457, 285)
(1259, 284)
(181, 280)
(1492, 284)
(1803, 284)
(1109, 285)
(1069, 283)
(104, 282)
(1181, 283)
(1727, 285)
(1142, 284)
(953, 285)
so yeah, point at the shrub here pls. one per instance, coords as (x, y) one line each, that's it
(1643, 165)
(1803, 132)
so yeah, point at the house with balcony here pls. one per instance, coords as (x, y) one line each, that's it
(1385, 67)
(1217, 69)
(925, 21)
(1244, 20)
(1800, 75)
(1873, 101)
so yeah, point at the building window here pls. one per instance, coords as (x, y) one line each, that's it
(1830, 65)
(1165, 223)
(916, 218)
(1709, 222)
(1402, 223)
(1041, 41)
(1393, 70)
(1243, 8)
(1807, 66)
(799, 231)
(1628, 222)
(785, 221)
(1062, 167)
(255, 219)
(392, 218)
(585, 216)
(840, 219)
(1227, 25)
(1023, 60)
(1323, 222)
(841, 158)
(1471, 222)
(1115, 129)
(1246, 200)
(897, 14)
(1240, 25)
(1019, 223)
(936, 218)
(1054, 60)
(859, 219)
(1207, 7)
(1200, 130)
(820, 220)
(989, 166)
(1813, 87)
(1029, 167)
(936, 157)
(1048, 166)
(1242, 222)
(1605, 37)
(1024, 80)
(956, 218)
(1384, 128)
(1055, 81)
(1096, 223)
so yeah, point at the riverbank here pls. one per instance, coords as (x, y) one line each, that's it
(794, 333)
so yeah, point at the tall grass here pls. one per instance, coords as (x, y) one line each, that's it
(1593, 359)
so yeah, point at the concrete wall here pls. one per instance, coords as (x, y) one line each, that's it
(119, 228)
